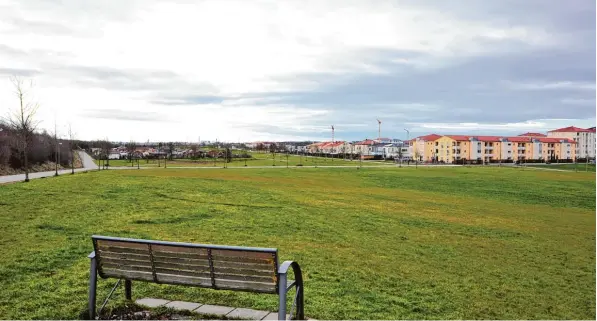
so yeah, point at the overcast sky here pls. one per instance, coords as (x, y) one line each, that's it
(281, 70)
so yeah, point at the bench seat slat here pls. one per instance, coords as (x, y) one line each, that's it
(179, 249)
(245, 265)
(109, 257)
(127, 274)
(181, 261)
(243, 285)
(182, 255)
(183, 280)
(121, 244)
(185, 267)
(170, 271)
(242, 254)
(129, 267)
(248, 272)
(247, 278)
(121, 249)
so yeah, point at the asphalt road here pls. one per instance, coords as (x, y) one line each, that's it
(88, 165)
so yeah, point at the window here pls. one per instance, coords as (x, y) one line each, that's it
(509, 144)
(436, 143)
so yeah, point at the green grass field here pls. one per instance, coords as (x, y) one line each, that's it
(568, 167)
(374, 243)
(259, 159)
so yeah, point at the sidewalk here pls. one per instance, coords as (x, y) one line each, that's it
(87, 162)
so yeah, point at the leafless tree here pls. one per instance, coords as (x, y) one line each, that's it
(417, 157)
(71, 145)
(56, 147)
(22, 118)
(131, 147)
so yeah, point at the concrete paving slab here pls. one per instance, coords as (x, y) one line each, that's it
(182, 305)
(213, 309)
(247, 314)
(151, 302)
(274, 316)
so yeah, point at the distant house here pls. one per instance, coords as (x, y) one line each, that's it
(364, 147)
(114, 156)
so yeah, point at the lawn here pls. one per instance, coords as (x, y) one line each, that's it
(374, 243)
(569, 167)
(258, 159)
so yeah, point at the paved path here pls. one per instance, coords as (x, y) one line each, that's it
(217, 310)
(88, 165)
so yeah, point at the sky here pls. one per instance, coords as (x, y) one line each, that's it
(288, 70)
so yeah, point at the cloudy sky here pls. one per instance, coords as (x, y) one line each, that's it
(280, 70)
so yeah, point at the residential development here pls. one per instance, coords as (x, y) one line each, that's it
(561, 145)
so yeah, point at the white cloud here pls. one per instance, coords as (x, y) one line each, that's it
(542, 125)
(578, 101)
(118, 55)
(560, 85)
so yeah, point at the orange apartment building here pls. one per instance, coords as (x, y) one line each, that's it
(486, 149)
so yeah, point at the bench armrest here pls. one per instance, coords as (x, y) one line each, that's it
(91, 255)
(283, 289)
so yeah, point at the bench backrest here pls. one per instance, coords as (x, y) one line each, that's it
(211, 266)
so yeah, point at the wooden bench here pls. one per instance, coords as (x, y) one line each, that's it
(218, 267)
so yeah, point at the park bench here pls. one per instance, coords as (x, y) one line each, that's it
(217, 267)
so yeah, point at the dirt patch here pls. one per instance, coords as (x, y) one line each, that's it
(136, 312)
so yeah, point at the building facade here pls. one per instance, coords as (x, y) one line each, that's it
(584, 138)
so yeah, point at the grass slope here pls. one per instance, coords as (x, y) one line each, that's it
(432, 243)
(259, 159)
(569, 167)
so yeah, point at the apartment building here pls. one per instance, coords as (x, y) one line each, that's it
(487, 149)
(422, 148)
(584, 138)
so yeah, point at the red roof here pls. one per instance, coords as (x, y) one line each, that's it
(532, 135)
(335, 144)
(489, 138)
(459, 137)
(519, 139)
(429, 137)
(366, 142)
(592, 129)
(554, 140)
(570, 129)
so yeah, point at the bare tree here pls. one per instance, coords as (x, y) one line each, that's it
(131, 147)
(56, 147)
(71, 145)
(106, 148)
(170, 150)
(22, 119)
(417, 156)
(400, 154)
(194, 149)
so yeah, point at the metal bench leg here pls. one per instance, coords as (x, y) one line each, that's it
(300, 304)
(92, 286)
(282, 293)
(128, 292)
